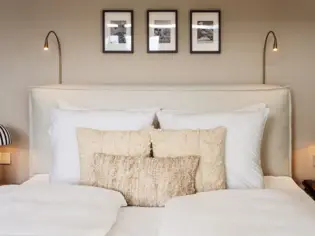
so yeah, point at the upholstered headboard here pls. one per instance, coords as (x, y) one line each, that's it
(276, 149)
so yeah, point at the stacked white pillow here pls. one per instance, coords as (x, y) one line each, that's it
(245, 130)
(66, 164)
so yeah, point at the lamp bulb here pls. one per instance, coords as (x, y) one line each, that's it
(275, 49)
(46, 48)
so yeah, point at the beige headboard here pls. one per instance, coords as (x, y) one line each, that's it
(276, 153)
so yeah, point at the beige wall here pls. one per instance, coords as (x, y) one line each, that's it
(294, 65)
(24, 24)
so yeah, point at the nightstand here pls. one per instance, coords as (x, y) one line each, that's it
(309, 187)
(6, 153)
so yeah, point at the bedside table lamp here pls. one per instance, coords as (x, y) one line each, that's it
(5, 146)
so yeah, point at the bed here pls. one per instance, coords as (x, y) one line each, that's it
(133, 221)
(147, 220)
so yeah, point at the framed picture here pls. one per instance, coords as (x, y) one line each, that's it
(118, 31)
(205, 31)
(162, 31)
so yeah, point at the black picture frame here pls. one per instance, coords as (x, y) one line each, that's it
(131, 12)
(149, 11)
(192, 51)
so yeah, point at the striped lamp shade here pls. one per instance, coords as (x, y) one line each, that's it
(5, 137)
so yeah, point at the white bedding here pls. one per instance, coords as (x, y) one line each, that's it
(134, 221)
(50, 210)
(260, 212)
(280, 182)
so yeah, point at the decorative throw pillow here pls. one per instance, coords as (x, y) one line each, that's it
(208, 144)
(125, 143)
(145, 182)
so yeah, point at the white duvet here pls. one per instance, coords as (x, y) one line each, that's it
(51, 210)
(240, 213)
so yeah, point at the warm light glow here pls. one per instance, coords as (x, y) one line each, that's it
(275, 49)
(311, 150)
(46, 47)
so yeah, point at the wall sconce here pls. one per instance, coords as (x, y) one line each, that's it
(46, 48)
(275, 49)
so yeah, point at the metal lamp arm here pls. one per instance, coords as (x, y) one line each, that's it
(59, 52)
(275, 46)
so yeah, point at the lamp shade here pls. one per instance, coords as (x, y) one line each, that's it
(5, 137)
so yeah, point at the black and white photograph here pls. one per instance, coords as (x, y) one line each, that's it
(118, 28)
(162, 31)
(205, 31)
(118, 31)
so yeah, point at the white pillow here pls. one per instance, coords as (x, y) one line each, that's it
(66, 164)
(243, 142)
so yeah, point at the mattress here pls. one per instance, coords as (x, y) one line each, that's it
(137, 221)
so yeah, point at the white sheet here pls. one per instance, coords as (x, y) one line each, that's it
(134, 221)
(281, 182)
(137, 221)
(262, 212)
(50, 210)
(38, 179)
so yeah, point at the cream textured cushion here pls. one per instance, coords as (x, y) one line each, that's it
(125, 143)
(208, 144)
(145, 182)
